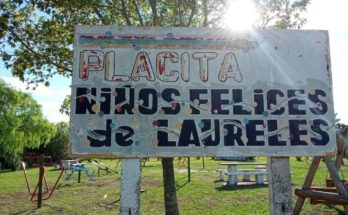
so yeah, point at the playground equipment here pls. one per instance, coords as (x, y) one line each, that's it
(76, 166)
(34, 160)
(35, 194)
(336, 191)
(101, 166)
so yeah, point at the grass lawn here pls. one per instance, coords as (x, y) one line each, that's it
(203, 195)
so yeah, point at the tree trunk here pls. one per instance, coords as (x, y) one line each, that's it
(170, 201)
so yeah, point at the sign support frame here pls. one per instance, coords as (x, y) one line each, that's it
(279, 185)
(130, 187)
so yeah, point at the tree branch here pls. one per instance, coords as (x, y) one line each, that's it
(193, 10)
(138, 12)
(205, 13)
(124, 13)
(48, 60)
(266, 21)
(180, 13)
(154, 12)
(101, 17)
(215, 19)
(175, 13)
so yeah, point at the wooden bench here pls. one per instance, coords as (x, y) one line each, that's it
(261, 167)
(246, 173)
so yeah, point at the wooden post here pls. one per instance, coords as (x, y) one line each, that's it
(279, 183)
(336, 179)
(130, 187)
(41, 172)
(79, 177)
(170, 200)
(307, 184)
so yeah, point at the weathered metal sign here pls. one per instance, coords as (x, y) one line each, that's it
(192, 91)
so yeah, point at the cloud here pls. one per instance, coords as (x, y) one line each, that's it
(51, 112)
(41, 90)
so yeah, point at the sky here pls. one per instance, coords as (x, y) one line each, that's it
(321, 14)
(332, 15)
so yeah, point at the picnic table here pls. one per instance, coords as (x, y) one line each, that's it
(233, 172)
(73, 166)
(68, 163)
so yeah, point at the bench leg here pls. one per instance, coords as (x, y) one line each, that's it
(68, 174)
(90, 178)
(246, 177)
(90, 175)
(260, 179)
(222, 173)
(232, 180)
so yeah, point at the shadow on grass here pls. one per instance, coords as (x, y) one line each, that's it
(240, 187)
(63, 185)
(181, 186)
(339, 211)
(113, 202)
(109, 205)
(3, 171)
(146, 166)
(53, 170)
(28, 211)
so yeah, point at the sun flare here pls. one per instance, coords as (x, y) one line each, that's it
(240, 15)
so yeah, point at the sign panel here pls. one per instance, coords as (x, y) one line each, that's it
(197, 91)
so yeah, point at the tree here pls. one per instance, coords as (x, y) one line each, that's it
(34, 52)
(281, 14)
(58, 146)
(22, 123)
(170, 203)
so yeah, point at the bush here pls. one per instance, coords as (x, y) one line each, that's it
(13, 162)
(58, 147)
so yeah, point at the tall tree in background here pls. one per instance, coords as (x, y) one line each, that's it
(58, 146)
(22, 124)
(37, 35)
